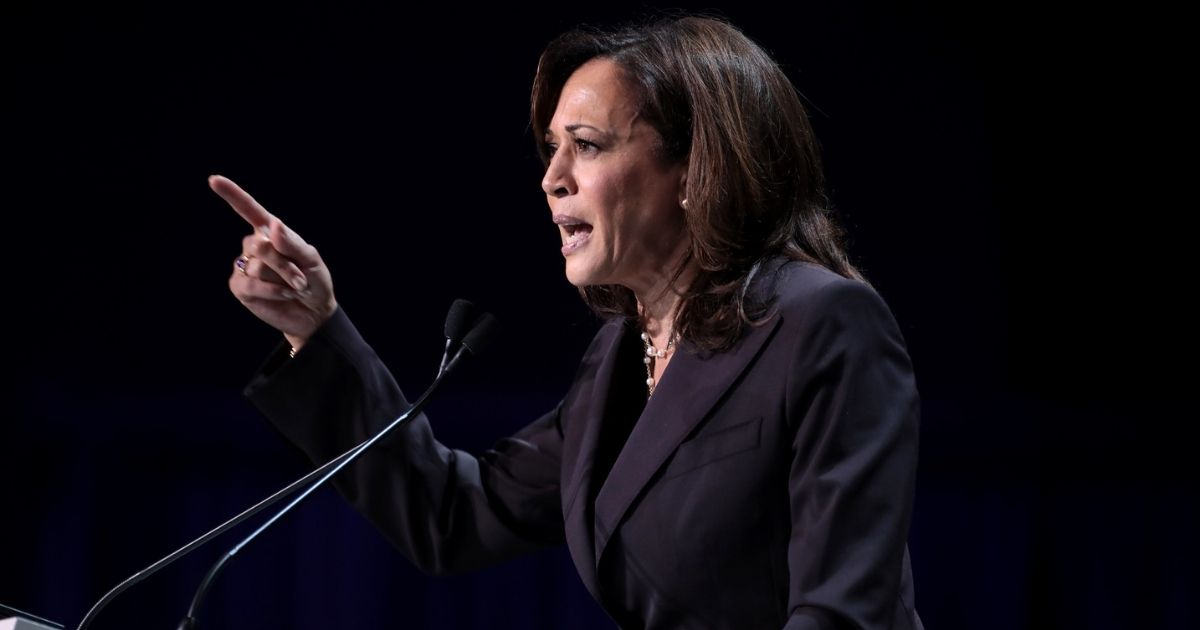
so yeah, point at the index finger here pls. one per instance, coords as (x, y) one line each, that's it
(241, 201)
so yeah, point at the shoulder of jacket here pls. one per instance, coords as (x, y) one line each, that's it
(807, 291)
(797, 283)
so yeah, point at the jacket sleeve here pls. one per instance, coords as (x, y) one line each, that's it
(853, 400)
(447, 511)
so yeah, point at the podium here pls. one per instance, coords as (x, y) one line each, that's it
(21, 623)
(13, 619)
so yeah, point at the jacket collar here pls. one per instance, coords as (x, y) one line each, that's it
(691, 386)
(590, 403)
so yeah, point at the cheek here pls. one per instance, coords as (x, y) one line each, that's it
(630, 201)
(609, 197)
(652, 203)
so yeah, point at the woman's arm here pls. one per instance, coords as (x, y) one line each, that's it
(447, 511)
(854, 402)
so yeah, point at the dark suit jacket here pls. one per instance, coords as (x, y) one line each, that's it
(767, 486)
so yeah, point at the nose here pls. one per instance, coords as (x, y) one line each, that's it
(558, 180)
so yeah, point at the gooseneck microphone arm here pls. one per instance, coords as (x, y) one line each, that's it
(461, 313)
(217, 531)
(470, 344)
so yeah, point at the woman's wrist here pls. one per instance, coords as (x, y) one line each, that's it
(296, 342)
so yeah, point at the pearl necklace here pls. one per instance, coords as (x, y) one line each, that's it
(652, 354)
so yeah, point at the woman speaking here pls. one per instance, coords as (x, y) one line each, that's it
(738, 448)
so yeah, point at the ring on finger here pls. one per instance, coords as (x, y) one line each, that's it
(242, 262)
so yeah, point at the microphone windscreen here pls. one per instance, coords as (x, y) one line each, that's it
(481, 334)
(459, 319)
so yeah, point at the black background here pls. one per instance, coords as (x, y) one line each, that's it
(1007, 174)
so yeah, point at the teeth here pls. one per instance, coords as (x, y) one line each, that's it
(574, 231)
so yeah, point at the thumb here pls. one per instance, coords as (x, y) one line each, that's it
(288, 242)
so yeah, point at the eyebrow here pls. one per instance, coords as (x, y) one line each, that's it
(575, 126)
(572, 128)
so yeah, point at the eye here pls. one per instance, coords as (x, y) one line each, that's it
(548, 148)
(585, 146)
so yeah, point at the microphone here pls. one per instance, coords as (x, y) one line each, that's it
(466, 324)
(481, 335)
(475, 339)
(460, 319)
(458, 323)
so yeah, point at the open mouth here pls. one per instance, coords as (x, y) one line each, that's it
(575, 231)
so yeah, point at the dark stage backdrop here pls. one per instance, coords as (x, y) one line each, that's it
(996, 166)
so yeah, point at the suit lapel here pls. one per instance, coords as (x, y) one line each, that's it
(587, 408)
(690, 387)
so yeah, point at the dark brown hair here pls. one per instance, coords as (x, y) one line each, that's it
(755, 188)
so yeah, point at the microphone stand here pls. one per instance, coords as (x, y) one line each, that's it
(189, 622)
(217, 531)
(474, 340)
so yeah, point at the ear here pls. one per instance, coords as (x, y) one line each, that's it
(683, 191)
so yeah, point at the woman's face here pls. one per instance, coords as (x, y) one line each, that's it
(617, 206)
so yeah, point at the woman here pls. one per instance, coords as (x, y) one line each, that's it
(738, 448)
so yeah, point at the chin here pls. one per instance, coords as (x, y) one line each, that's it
(577, 279)
(582, 276)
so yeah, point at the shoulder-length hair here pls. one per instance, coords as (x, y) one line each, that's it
(755, 188)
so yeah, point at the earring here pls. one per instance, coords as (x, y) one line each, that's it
(683, 203)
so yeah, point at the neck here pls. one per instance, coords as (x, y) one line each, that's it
(658, 312)
(658, 292)
(658, 307)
